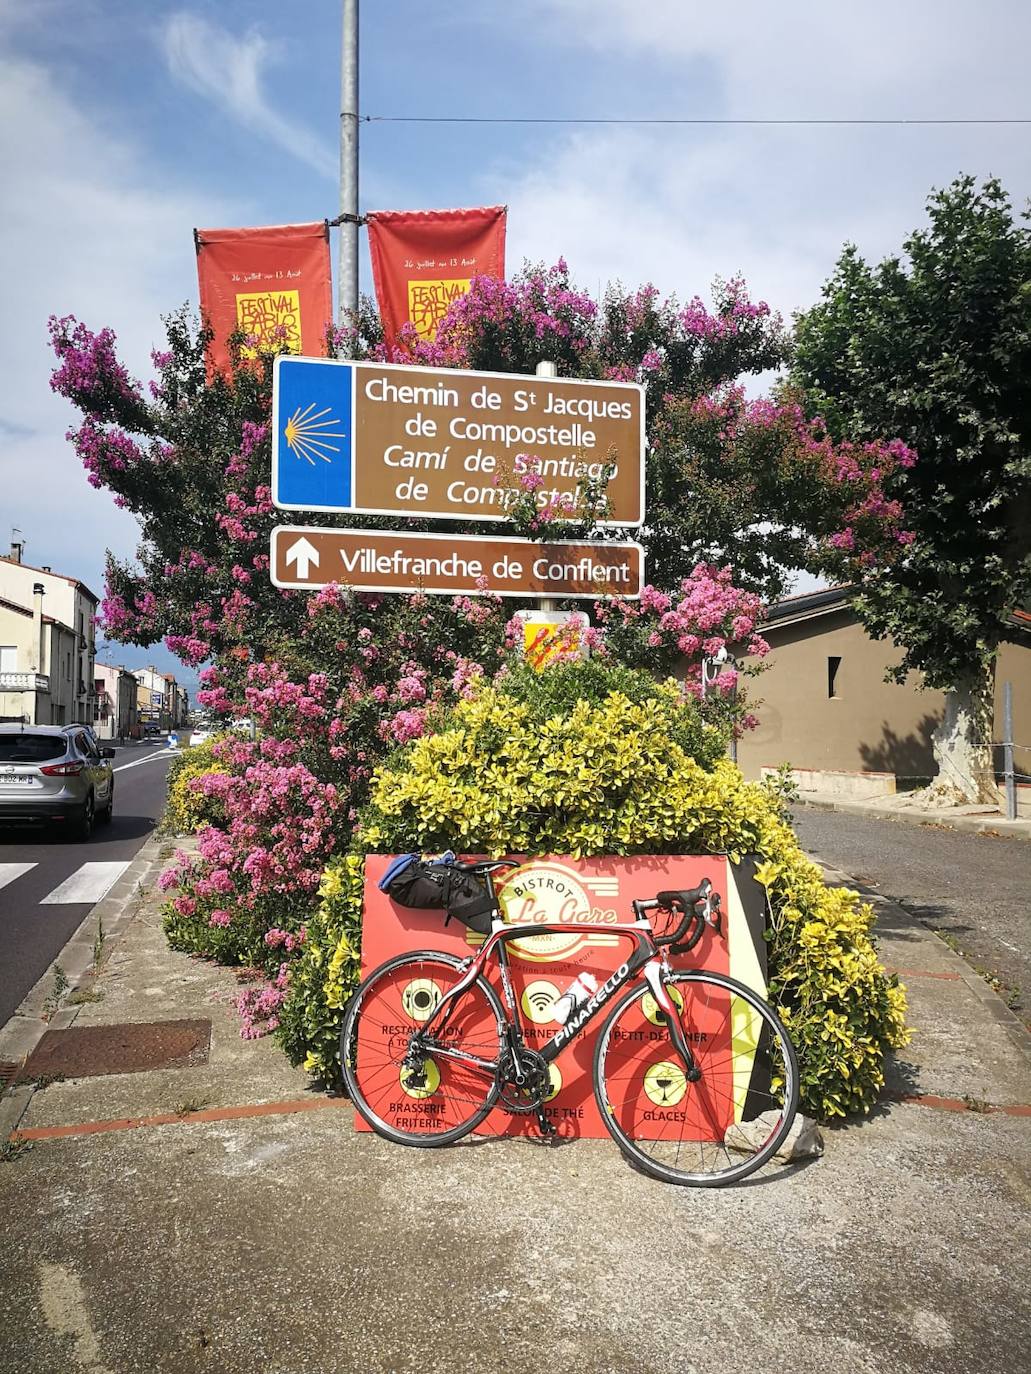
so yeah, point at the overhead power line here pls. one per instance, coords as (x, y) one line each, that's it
(547, 119)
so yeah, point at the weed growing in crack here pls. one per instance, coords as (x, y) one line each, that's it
(57, 991)
(10, 1150)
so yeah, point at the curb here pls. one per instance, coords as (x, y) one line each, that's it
(23, 1032)
(978, 825)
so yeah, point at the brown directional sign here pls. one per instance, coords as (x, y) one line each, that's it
(380, 439)
(311, 557)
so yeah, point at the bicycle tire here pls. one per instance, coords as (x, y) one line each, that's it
(639, 1082)
(450, 1100)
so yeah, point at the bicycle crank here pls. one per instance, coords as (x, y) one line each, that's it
(535, 1088)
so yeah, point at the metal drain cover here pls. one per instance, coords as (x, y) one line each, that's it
(86, 1051)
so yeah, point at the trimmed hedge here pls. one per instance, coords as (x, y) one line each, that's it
(188, 808)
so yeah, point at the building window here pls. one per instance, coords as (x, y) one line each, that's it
(833, 664)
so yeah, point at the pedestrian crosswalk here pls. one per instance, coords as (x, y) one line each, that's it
(8, 872)
(89, 883)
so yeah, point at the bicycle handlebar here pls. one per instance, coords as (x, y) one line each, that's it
(687, 901)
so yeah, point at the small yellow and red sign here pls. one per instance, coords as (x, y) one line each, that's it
(553, 636)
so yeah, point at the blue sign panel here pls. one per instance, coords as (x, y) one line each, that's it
(312, 449)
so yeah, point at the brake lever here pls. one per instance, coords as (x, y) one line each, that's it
(713, 915)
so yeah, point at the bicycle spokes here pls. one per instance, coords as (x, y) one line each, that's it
(689, 1120)
(411, 1077)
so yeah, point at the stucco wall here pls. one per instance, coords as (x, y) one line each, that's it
(869, 725)
(1014, 665)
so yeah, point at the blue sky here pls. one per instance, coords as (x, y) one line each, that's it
(124, 124)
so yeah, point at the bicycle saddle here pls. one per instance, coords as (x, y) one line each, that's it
(485, 865)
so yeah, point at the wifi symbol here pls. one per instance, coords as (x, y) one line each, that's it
(539, 1000)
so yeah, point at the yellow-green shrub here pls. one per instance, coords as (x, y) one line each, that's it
(327, 972)
(613, 776)
(187, 809)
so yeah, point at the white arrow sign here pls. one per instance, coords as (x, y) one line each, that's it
(302, 553)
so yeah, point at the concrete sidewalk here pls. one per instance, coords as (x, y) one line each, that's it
(906, 807)
(255, 1232)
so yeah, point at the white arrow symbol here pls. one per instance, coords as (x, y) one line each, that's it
(302, 553)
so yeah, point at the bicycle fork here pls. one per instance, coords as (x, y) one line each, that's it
(653, 975)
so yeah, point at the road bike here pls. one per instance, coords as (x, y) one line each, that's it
(694, 1075)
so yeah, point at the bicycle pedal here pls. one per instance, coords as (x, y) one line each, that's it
(546, 1127)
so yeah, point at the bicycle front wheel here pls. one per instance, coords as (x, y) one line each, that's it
(430, 1090)
(728, 1121)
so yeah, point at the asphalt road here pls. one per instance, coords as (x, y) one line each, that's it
(974, 890)
(37, 916)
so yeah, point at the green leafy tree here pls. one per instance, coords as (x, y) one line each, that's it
(935, 347)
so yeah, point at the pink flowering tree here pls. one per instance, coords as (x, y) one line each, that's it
(679, 630)
(336, 680)
(730, 480)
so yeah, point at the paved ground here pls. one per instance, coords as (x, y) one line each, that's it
(975, 890)
(39, 907)
(252, 1236)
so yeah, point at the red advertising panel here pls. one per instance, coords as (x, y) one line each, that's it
(594, 893)
(274, 283)
(422, 260)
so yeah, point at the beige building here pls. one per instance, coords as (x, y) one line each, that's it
(825, 706)
(116, 713)
(162, 701)
(38, 662)
(66, 602)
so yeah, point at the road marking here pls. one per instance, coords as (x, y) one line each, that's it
(8, 872)
(89, 883)
(165, 754)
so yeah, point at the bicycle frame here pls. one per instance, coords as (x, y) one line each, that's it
(645, 957)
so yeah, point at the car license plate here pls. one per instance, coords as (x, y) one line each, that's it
(7, 778)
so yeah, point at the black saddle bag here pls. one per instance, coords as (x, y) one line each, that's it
(439, 885)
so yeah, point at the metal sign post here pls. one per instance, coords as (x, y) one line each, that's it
(1007, 751)
(348, 277)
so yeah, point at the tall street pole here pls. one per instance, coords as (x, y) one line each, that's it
(347, 298)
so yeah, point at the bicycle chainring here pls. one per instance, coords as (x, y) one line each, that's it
(535, 1089)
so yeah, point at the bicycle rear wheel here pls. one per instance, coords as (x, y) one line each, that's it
(441, 1092)
(728, 1122)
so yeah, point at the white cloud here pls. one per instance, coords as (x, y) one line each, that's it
(772, 204)
(229, 71)
(681, 205)
(808, 58)
(88, 229)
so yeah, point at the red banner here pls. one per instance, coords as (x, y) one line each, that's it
(274, 283)
(422, 260)
(559, 891)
